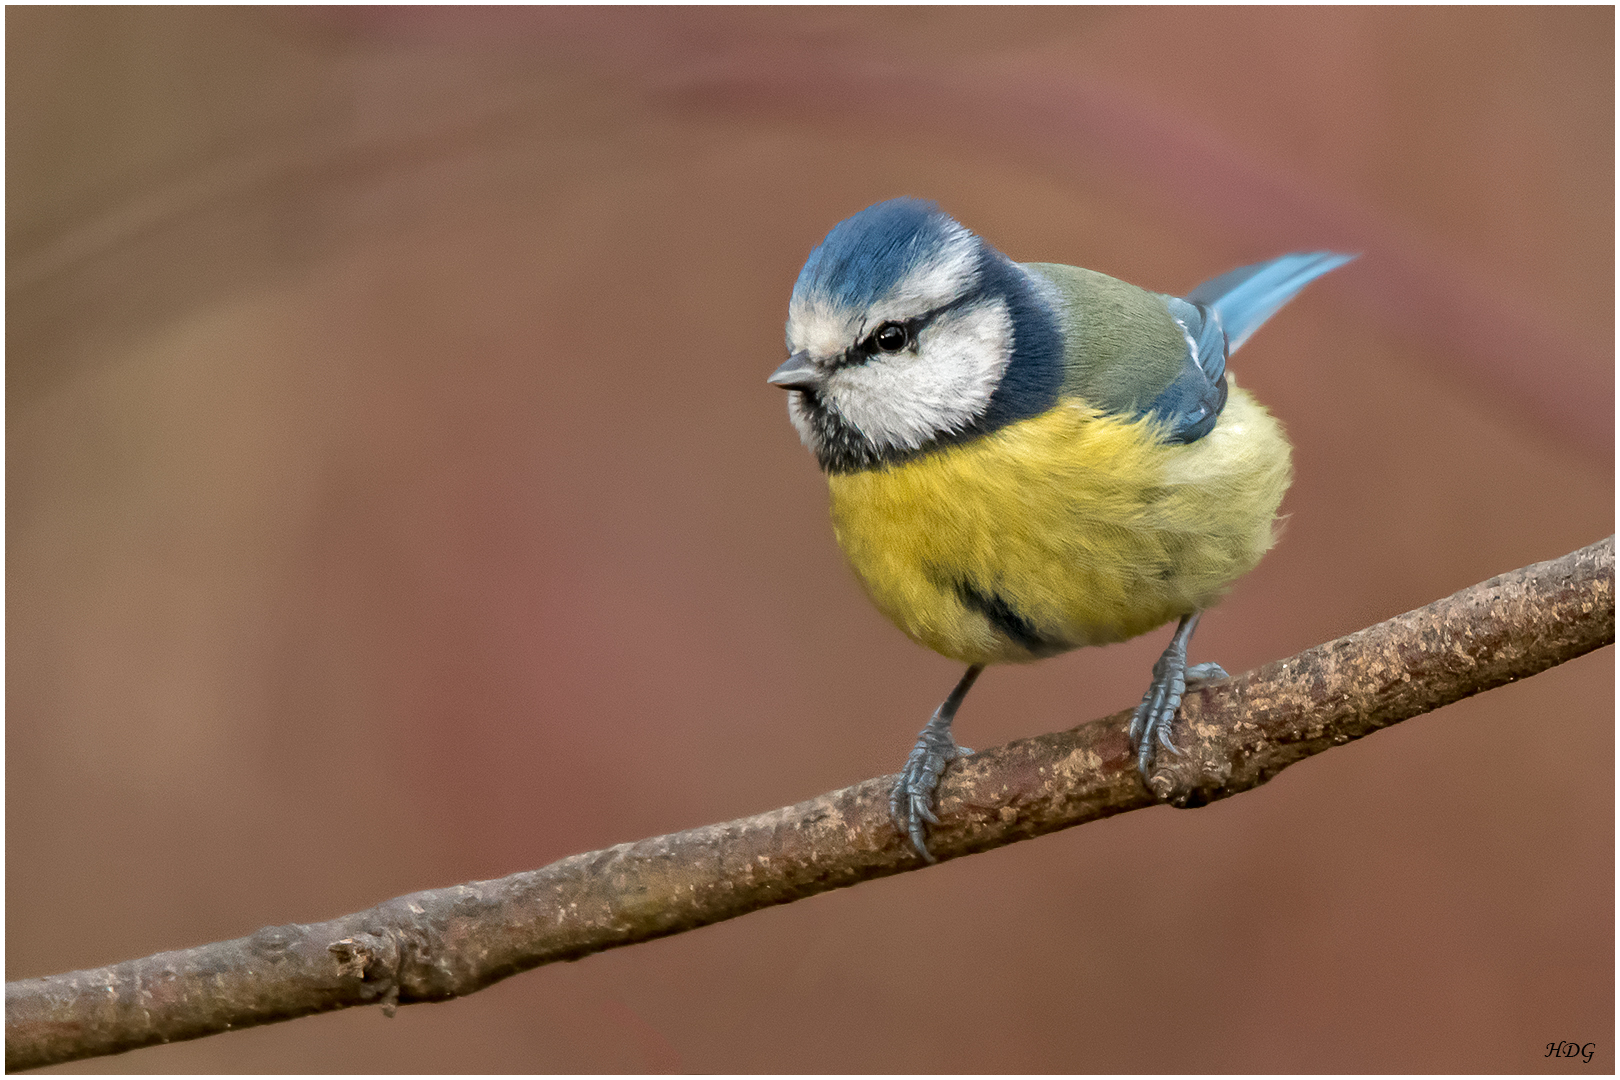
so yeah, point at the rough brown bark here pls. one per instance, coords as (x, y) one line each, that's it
(439, 944)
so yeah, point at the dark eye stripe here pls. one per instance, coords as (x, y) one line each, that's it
(868, 347)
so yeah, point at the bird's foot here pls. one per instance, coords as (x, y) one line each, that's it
(1153, 718)
(911, 803)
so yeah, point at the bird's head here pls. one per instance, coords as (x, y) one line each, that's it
(900, 332)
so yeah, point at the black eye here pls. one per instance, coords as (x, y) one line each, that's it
(891, 337)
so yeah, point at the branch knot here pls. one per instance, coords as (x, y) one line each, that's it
(374, 959)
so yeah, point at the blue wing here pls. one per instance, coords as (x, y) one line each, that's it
(1216, 318)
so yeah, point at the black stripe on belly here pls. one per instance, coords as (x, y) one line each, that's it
(1002, 616)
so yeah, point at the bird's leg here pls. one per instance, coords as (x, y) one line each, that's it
(1171, 677)
(911, 803)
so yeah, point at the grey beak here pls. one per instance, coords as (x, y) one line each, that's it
(797, 373)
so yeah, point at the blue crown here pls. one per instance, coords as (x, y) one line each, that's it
(866, 254)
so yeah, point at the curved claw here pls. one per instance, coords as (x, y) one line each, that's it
(1164, 740)
(919, 841)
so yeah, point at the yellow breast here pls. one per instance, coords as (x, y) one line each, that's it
(1065, 530)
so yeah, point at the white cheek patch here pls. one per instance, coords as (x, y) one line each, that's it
(939, 386)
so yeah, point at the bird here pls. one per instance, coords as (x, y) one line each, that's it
(1028, 458)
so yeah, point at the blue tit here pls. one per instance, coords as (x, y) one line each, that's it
(1025, 458)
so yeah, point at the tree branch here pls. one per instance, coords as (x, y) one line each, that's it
(443, 943)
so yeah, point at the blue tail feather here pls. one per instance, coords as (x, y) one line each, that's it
(1245, 298)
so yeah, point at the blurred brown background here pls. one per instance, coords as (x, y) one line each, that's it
(395, 499)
